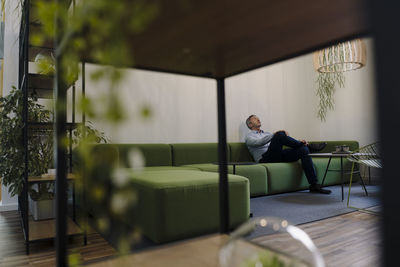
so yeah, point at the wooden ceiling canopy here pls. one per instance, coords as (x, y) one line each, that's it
(221, 38)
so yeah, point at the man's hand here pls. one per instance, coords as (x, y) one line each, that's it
(304, 142)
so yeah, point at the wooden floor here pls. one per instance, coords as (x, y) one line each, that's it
(352, 239)
(348, 240)
(12, 246)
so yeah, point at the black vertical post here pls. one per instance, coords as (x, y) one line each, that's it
(222, 156)
(60, 96)
(70, 151)
(83, 93)
(342, 175)
(25, 118)
(384, 15)
(84, 198)
(71, 128)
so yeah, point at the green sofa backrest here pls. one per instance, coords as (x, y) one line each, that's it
(186, 153)
(192, 153)
(104, 155)
(239, 152)
(154, 154)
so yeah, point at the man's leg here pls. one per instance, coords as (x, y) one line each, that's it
(302, 153)
(298, 150)
(274, 152)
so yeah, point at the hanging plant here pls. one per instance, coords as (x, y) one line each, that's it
(325, 91)
(331, 62)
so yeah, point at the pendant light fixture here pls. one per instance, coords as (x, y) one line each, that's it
(349, 55)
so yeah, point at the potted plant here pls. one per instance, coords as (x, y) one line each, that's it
(40, 150)
(41, 201)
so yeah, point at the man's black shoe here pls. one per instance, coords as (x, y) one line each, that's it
(315, 147)
(317, 188)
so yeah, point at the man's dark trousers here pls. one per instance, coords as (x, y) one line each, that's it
(297, 150)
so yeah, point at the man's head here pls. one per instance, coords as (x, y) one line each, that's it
(253, 122)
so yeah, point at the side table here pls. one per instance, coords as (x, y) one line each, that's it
(331, 155)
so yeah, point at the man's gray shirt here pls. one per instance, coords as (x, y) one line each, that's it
(258, 143)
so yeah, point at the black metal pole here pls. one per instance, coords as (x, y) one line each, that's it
(84, 198)
(70, 152)
(342, 175)
(61, 182)
(222, 156)
(60, 97)
(83, 92)
(25, 118)
(384, 15)
(71, 128)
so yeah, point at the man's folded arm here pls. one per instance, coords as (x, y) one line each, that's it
(258, 140)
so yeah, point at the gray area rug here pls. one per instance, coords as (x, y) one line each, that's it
(304, 207)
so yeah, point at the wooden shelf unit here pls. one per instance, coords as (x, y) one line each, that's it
(50, 125)
(43, 86)
(48, 178)
(46, 229)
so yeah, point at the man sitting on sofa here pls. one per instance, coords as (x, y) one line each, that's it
(266, 147)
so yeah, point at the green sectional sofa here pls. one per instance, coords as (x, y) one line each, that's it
(177, 190)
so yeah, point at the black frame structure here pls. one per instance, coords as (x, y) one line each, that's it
(42, 85)
(343, 20)
(384, 15)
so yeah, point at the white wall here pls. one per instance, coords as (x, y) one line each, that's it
(184, 108)
(282, 95)
(10, 74)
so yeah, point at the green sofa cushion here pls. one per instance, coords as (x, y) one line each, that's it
(285, 177)
(193, 153)
(256, 174)
(178, 204)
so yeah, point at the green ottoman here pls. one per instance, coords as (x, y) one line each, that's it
(177, 204)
